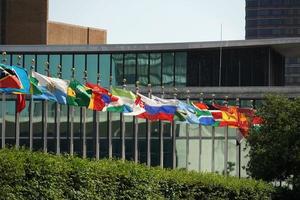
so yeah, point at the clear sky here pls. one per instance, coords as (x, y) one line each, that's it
(155, 21)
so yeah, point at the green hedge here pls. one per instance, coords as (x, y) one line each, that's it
(34, 175)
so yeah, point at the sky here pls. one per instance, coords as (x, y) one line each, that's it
(155, 21)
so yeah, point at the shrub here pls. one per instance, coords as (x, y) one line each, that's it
(34, 175)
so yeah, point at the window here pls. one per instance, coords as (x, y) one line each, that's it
(129, 68)
(117, 67)
(168, 69)
(180, 68)
(142, 68)
(155, 69)
(104, 69)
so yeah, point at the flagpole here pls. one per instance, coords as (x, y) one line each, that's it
(110, 125)
(226, 142)
(123, 127)
(200, 137)
(72, 121)
(238, 147)
(187, 135)
(45, 129)
(148, 137)
(173, 132)
(18, 115)
(161, 136)
(31, 110)
(213, 142)
(136, 129)
(97, 126)
(58, 117)
(4, 59)
(84, 123)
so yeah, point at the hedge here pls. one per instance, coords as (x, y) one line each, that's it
(35, 175)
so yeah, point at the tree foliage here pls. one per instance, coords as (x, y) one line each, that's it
(275, 146)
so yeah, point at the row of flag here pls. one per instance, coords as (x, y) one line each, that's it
(14, 80)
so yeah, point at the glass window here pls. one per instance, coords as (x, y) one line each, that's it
(40, 63)
(180, 68)
(17, 59)
(54, 61)
(168, 69)
(79, 63)
(28, 62)
(155, 69)
(129, 68)
(142, 68)
(117, 69)
(67, 64)
(92, 67)
(5, 59)
(104, 69)
(10, 121)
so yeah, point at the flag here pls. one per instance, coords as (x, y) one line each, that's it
(230, 115)
(21, 102)
(186, 113)
(206, 117)
(78, 94)
(14, 79)
(126, 103)
(49, 88)
(157, 108)
(100, 98)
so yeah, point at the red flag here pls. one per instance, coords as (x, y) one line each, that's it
(21, 102)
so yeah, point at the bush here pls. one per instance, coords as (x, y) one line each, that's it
(33, 175)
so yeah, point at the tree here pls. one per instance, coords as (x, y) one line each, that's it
(275, 146)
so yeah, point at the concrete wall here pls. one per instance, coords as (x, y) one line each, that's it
(26, 21)
(61, 33)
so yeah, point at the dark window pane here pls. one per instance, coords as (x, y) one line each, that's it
(104, 69)
(168, 69)
(129, 68)
(180, 68)
(92, 67)
(155, 69)
(117, 69)
(142, 69)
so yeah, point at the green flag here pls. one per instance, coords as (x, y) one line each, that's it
(78, 94)
(34, 89)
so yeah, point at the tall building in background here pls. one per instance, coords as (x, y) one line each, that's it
(26, 22)
(275, 19)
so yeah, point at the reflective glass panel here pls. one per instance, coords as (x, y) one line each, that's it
(168, 69)
(142, 68)
(117, 69)
(180, 68)
(129, 68)
(104, 69)
(155, 69)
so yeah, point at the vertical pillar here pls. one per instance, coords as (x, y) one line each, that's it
(136, 127)
(173, 131)
(123, 129)
(72, 120)
(213, 143)
(97, 127)
(3, 108)
(31, 111)
(238, 148)
(148, 137)
(58, 117)
(84, 123)
(161, 136)
(110, 126)
(226, 142)
(187, 135)
(18, 116)
(200, 137)
(45, 128)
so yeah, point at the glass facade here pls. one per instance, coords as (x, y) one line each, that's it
(196, 148)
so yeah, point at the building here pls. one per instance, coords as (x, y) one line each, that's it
(26, 22)
(275, 19)
(249, 69)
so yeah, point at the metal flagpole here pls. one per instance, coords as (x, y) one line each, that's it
(18, 116)
(72, 121)
(173, 132)
(148, 137)
(84, 123)
(226, 142)
(58, 117)
(4, 59)
(97, 127)
(45, 129)
(200, 137)
(187, 135)
(110, 126)
(123, 127)
(213, 142)
(31, 110)
(161, 136)
(238, 148)
(136, 130)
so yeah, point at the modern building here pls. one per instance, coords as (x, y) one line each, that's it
(249, 69)
(26, 22)
(275, 19)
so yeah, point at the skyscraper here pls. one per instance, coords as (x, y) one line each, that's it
(275, 19)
